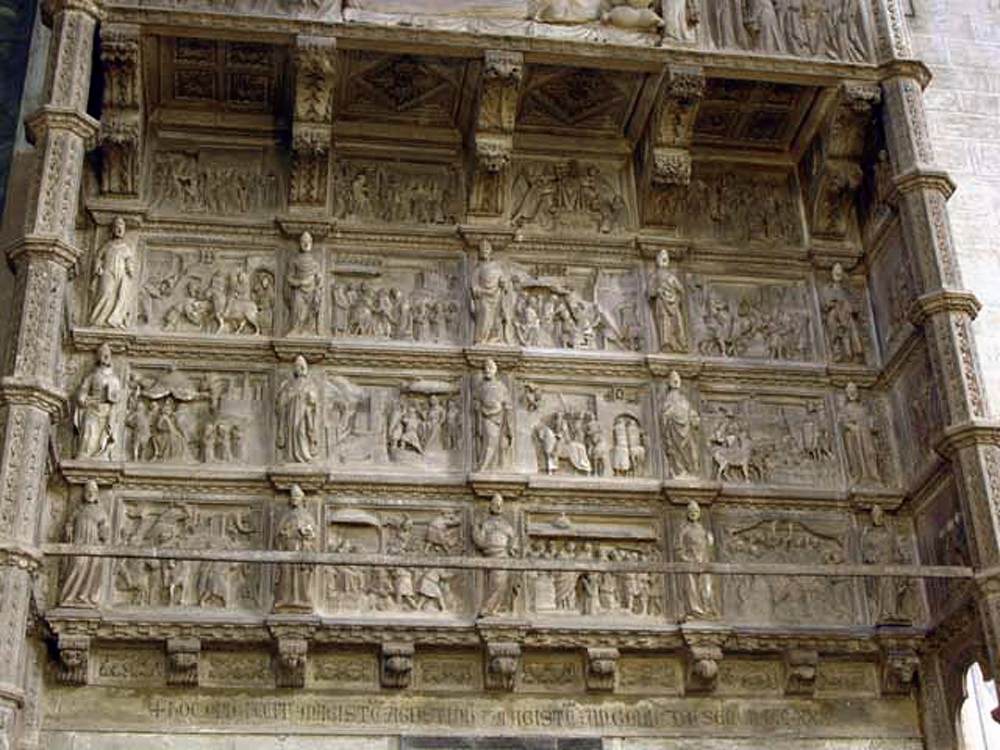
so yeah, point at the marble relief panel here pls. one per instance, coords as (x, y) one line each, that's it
(893, 289)
(218, 416)
(395, 423)
(207, 291)
(217, 523)
(368, 191)
(352, 669)
(448, 671)
(942, 539)
(583, 430)
(752, 318)
(594, 595)
(551, 673)
(770, 439)
(776, 537)
(917, 406)
(409, 299)
(397, 531)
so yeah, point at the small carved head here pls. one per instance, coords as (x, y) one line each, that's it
(91, 492)
(496, 504)
(851, 391)
(118, 227)
(837, 273)
(693, 511)
(490, 369)
(301, 367)
(296, 496)
(663, 259)
(706, 669)
(674, 380)
(104, 355)
(306, 242)
(485, 250)
(878, 515)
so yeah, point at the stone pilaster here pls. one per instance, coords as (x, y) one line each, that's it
(122, 125)
(312, 130)
(61, 132)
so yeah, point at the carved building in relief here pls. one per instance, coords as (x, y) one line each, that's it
(477, 372)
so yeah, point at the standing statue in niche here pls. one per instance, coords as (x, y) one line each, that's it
(842, 321)
(859, 442)
(297, 406)
(303, 291)
(296, 532)
(680, 424)
(695, 544)
(95, 401)
(494, 431)
(85, 575)
(666, 295)
(889, 596)
(112, 283)
(489, 287)
(495, 538)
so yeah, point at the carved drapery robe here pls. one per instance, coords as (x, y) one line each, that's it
(113, 284)
(95, 401)
(297, 406)
(85, 575)
(679, 422)
(293, 581)
(304, 286)
(494, 537)
(495, 434)
(487, 303)
(666, 295)
(860, 446)
(694, 545)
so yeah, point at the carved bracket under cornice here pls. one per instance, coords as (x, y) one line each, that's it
(312, 127)
(673, 126)
(503, 74)
(122, 118)
(503, 664)
(183, 655)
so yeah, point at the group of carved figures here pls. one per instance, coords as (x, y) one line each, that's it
(507, 308)
(429, 420)
(406, 588)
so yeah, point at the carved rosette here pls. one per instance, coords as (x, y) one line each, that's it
(602, 668)
(396, 665)
(121, 134)
(312, 129)
(182, 661)
(503, 663)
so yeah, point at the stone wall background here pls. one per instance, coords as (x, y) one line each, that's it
(960, 41)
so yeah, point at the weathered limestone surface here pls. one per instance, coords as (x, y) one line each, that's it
(560, 377)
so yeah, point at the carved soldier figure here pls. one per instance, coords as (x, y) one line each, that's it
(495, 537)
(889, 596)
(855, 425)
(297, 405)
(487, 298)
(695, 544)
(296, 532)
(666, 294)
(112, 284)
(95, 400)
(303, 290)
(842, 321)
(85, 575)
(494, 433)
(680, 424)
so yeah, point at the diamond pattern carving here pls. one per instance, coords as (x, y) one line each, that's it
(573, 99)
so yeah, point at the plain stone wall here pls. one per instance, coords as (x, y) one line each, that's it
(960, 41)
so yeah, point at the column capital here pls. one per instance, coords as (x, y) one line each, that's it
(53, 8)
(968, 435)
(922, 178)
(23, 557)
(19, 392)
(944, 301)
(47, 118)
(44, 247)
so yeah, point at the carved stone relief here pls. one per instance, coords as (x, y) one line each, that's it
(551, 673)
(94, 408)
(730, 205)
(196, 416)
(295, 530)
(942, 539)
(751, 319)
(885, 542)
(83, 579)
(867, 439)
(493, 421)
(496, 538)
(894, 287)
(304, 289)
(363, 530)
(569, 196)
(373, 192)
(113, 280)
(586, 431)
(825, 29)
(181, 522)
(680, 431)
(411, 300)
(695, 543)
(211, 291)
(778, 538)
(593, 594)
(770, 439)
(845, 319)
(917, 401)
(215, 181)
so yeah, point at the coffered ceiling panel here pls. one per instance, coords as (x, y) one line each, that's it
(744, 114)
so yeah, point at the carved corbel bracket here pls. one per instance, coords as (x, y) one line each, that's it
(503, 664)
(800, 671)
(494, 131)
(704, 652)
(602, 668)
(74, 659)
(673, 126)
(396, 664)
(122, 121)
(899, 670)
(183, 655)
(312, 127)
(290, 662)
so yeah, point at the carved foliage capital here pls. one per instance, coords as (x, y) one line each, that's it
(315, 79)
(671, 167)
(686, 84)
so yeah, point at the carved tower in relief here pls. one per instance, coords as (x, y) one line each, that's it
(472, 374)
